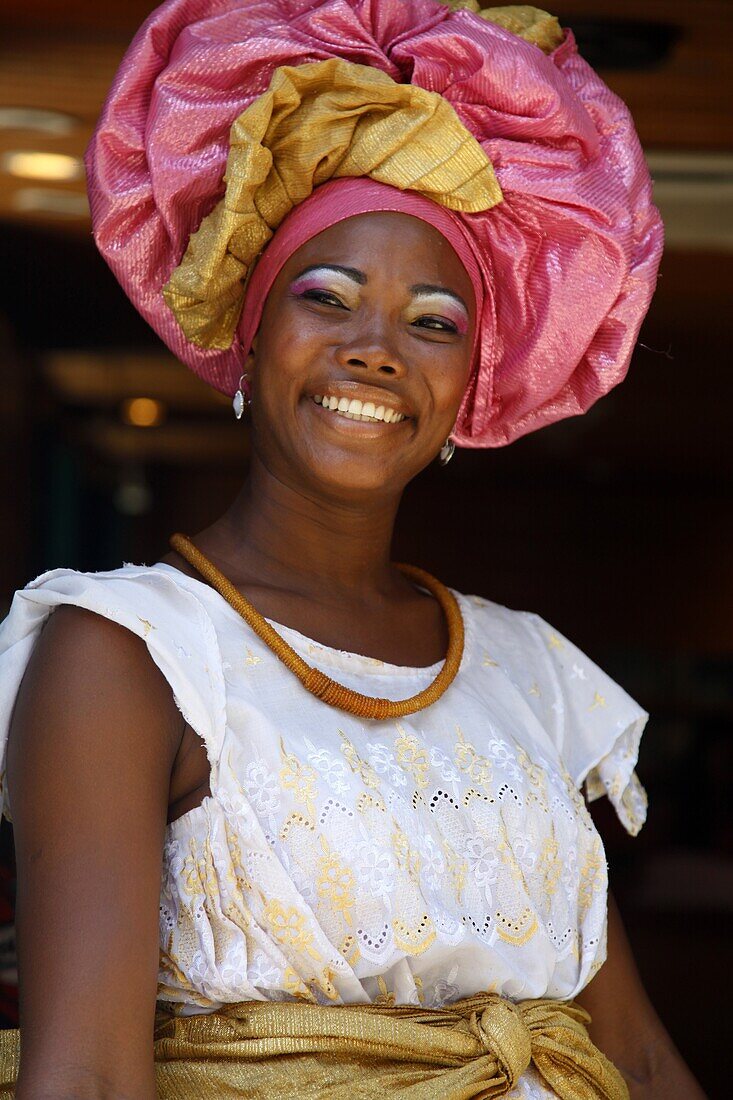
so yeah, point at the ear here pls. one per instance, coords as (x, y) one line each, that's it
(251, 359)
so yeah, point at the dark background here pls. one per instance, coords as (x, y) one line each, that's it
(617, 527)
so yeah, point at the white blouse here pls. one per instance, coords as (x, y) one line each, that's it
(342, 860)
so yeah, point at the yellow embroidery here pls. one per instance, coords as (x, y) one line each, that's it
(384, 997)
(456, 868)
(294, 820)
(366, 772)
(335, 882)
(598, 701)
(235, 871)
(350, 950)
(469, 761)
(535, 774)
(295, 987)
(252, 658)
(590, 881)
(288, 926)
(406, 854)
(518, 931)
(368, 802)
(324, 982)
(198, 874)
(147, 627)
(550, 866)
(489, 662)
(412, 756)
(414, 939)
(555, 642)
(298, 778)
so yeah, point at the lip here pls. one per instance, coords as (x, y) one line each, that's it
(355, 390)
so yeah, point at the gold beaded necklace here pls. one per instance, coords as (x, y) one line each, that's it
(315, 681)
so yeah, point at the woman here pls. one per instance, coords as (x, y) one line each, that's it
(379, 873)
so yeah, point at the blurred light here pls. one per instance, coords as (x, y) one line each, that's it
(33, 165)
(133, 497)
(42, 200)
(143, 412)
(35, 118)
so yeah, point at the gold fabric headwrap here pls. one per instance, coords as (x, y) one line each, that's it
(533, 24)
(479, 1046)
(319, 121)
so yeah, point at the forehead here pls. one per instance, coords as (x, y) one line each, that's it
(382, 241)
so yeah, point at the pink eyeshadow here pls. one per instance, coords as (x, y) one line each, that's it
(311, 281)
(443, 307)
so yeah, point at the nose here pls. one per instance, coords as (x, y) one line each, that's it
(372, 349)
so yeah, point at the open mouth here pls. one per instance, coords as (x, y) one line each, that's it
(365, 411)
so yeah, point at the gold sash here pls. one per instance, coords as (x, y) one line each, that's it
(477, 1047)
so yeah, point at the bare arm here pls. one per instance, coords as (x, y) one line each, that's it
(627, 1029)
(93, 738)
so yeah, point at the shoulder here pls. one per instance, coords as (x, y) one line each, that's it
(509, 632)
(78, 646)
(595, 725)
(86, 668)
(142, 619)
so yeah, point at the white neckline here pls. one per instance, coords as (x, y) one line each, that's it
(318, 653)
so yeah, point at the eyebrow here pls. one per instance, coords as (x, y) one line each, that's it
(429, 288)
(350, 272)
(360, 278)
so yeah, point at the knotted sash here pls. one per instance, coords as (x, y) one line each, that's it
(477, 1047)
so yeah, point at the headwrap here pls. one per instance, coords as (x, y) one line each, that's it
(226, 115)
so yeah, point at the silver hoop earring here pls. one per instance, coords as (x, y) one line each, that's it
(446, 452)
(239, 401)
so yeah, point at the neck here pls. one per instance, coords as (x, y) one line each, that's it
(280, 536)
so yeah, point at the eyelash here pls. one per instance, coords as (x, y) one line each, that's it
(324, 297)
(428, 321)
(436, 324)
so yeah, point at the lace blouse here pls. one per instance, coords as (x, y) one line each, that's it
(341, 860)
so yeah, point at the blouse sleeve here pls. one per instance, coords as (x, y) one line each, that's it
(595, 725)
(173, 624)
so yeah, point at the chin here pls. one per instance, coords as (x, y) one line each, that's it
(349, 478)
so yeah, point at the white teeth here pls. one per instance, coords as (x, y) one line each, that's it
(356, 410)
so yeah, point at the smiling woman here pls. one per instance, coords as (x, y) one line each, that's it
(371, 309)
(363, 789)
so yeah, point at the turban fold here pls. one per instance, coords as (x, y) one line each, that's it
(225, 115)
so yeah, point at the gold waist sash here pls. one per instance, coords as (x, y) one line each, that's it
(477, 1047)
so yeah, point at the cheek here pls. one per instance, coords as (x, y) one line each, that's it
(285, 344)
(450, 379)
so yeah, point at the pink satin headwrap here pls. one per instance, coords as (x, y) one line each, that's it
(341, 199)
(570, 255)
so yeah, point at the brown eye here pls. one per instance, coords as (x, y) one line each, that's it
(324, 297)
(437, 324)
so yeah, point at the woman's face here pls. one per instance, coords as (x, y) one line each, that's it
(378, 309)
